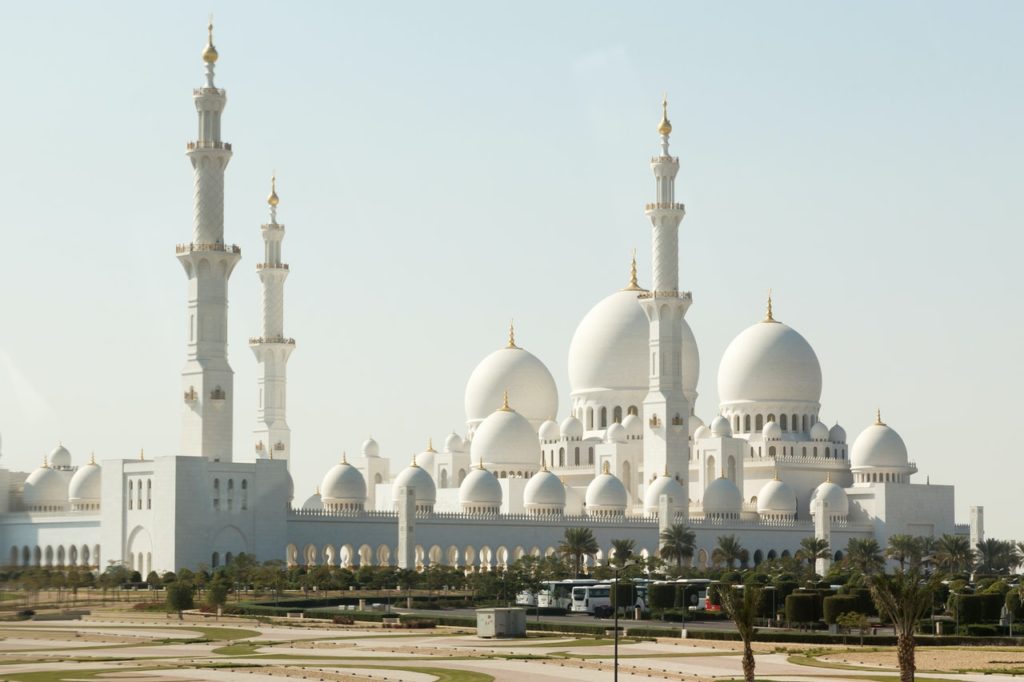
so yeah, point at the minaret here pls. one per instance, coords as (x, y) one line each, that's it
(207, 378)
(272, 436)
(666, 410)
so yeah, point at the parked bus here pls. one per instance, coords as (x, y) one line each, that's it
(557, 594)
(592, 599)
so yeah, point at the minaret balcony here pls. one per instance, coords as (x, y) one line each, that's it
(664, 207)
(208, 144)
(263, 340)
(271, 266)
(198, 92)
(193, 247)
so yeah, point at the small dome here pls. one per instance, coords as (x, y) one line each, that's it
(313, 503)
(837, 434)
(634, 427)
(701, 433)
(664, 485)
(549, 431)
(45, 487)
(720, 427)
(454, 443)
(544, 493)
(606, 495)
(836, 501)
(769, 362)
(527, 380)
(616, 433)
(695, 424)
(722, 497)
(425, 459)
(480, 491)
(415, 477)
(85, 484)
(60, 458)
(772, 431)
(878, 446)
(571, 428)
(343, 485)
(776, 498)
(819, 431)
(505, 439)
(371, 448)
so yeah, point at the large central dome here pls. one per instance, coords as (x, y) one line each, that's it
(769, 362)
(610, 348)
(525, 378)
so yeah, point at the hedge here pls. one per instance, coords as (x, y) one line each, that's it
(836, 605)
(803, 607)
(661, 596)
(979, 608)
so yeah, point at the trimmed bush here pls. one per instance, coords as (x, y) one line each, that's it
(803, 607)
(661, 596)
(836, 605)
(985, 607)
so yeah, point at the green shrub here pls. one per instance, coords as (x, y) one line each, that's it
(803, 607)
(836, 605)
(984, 607)
(982, 630)
(661, 596)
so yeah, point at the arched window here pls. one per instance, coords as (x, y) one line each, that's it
(561, 457)
(617, 414)
(149, 493)
(231, 493)
(736, 421)
(771, 451)
(245, 494)
(828, 453)
(732, 469)
(444, 478)
(215, 560)
(759, 423)
(771, 417)
(784, 423)
(462, 475)
(590, 455)
(576, 459)
(590, 417)
(604, 417)
(227, 558)
(746, 423)
(131, 489)
(804, 422)
(796, 423)
(138, 493)
(805, 451)
(815, 451)
(633, 410)
(216, 493)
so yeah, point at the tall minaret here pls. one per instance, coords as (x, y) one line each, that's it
(666, 410)
(207, 378)
(272, 436)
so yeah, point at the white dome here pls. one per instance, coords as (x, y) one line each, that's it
(702, 433)
(426, 458)
(606, 495)
(371, 448)
(720, 427)
(776, 498)
(616, 433)
(835, 498)
(85, 484)
(505, 439)
(544, 492)
(480, 491)
(634, 427)
(695, 424)
(664, 485)
(313, 503)
(878, 446)
(610, 347)
(454, 443)
(837, 434)
(45, 487)
(772, 431)
(722, 497)
(60, 458)
(549, 431)
(769, 362)
(530, 386)
(415, 477)
(571, 428)
(291, 486)
(819, 431)
(343, 484)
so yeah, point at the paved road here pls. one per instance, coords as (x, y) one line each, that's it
(582, 619)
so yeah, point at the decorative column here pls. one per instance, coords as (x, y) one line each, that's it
(272, 437)
(666, 410)
(207, 379)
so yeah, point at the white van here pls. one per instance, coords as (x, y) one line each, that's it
(587, 598)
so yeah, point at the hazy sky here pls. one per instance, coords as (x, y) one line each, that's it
(446, 166)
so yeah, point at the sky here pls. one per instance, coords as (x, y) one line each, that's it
(444, 167)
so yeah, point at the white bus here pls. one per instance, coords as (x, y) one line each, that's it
(592, 598)
(557, 594)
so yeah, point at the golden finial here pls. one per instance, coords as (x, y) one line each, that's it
(512, 334)
(776, 474)
(828, 477)
(210, 52)
(480, 464)
(430, 445)
(543, 462)
(272, 199)
(413, 463)
(505, 407)
(665, 473)
(634, 284)
(768, 313)
(142, 454)
(878, 417)
(45, 465)
(344, 457)
(665, 128)
(605, 468)
(92, 458)
(317, 493)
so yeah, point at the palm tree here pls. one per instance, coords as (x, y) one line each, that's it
(903, 598)
(926, 547)
(865, 555)
(953, 553)
(902, 548)
(997, 556)
(741, 603)
(576, 544)
(623, 551)
(812, 549)
(677, 543)
(729, 551)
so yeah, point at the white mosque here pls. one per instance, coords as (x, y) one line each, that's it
(631, 457)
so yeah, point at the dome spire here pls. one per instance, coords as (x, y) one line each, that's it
(272, 199)
(430, 445)
(605, 468)
(665, 127)
(92, 458)
(634, 284)
(210, 54)
(878, 417)
(512, 334)
(768, 317)
(344, 457)
(828, 477)
(505, 407)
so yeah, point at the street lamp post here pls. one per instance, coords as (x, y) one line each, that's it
(615, 600)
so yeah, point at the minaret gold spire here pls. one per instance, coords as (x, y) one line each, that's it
(273, 199)
(665, 127)
(210, 52)
(634, 284)
(512, 334)
(768, 317)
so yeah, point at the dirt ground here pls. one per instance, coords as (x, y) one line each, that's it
(945, 660)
